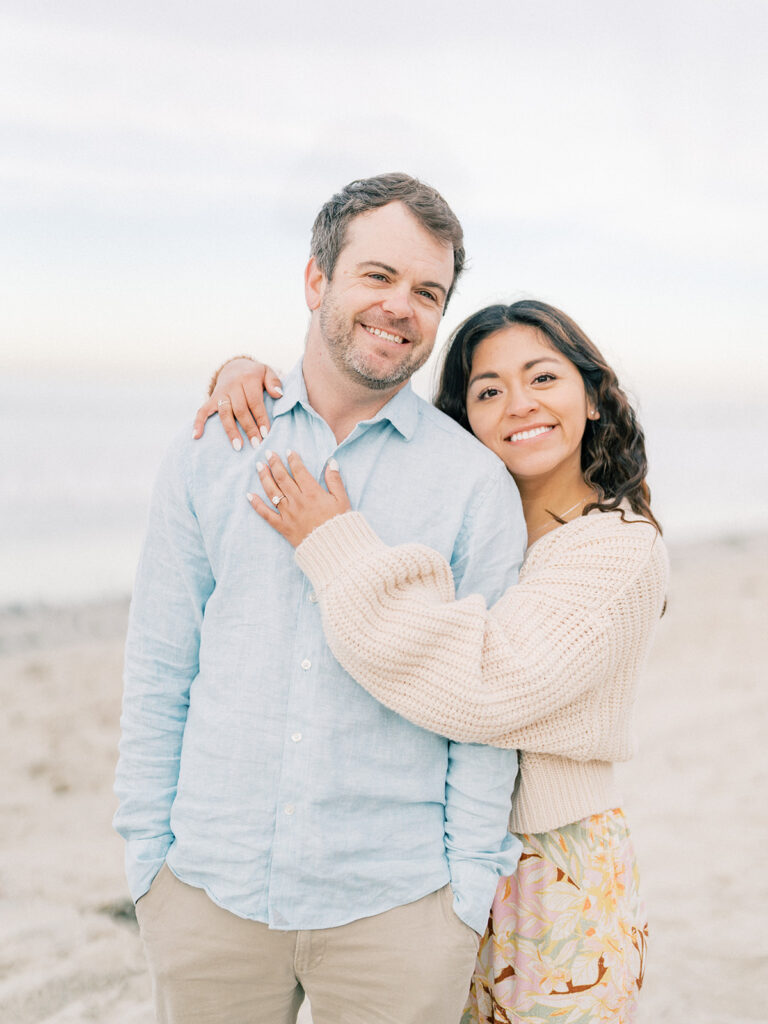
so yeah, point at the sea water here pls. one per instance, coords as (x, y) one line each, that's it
(78, 458)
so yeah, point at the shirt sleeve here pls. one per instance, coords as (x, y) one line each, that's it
(479, 782)
(173, 583)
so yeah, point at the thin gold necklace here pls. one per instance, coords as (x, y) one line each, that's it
(562, 515)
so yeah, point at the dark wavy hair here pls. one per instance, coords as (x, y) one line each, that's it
(613, 458)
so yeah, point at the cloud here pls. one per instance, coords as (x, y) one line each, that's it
(592, 150)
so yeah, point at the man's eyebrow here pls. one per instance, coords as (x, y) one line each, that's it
(391, 270)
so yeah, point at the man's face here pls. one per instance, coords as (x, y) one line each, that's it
(379, 313)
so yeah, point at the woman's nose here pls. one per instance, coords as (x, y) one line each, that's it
(521, 402)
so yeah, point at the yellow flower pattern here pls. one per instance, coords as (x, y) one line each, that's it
(567, 935)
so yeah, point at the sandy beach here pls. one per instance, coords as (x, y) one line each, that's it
(695, 797)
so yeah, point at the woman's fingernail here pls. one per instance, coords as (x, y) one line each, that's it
(255, 442)
(333, 465)
(237, 444)
(278, 389)
(249, 497)
(259, 466)
(289, 451)
(269, 454)
(264, 431)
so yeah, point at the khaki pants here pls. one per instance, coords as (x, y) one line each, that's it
(409, 965)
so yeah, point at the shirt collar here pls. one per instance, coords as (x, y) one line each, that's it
(402, 411)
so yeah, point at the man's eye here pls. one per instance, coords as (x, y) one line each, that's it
(428, 295)
(378, 277)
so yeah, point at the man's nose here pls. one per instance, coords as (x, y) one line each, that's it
(398, 302)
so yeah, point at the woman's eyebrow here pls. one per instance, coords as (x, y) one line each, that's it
(542, 359)
(490, 375)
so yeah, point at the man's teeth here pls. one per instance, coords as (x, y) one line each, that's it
(524, 435)
(386, 335)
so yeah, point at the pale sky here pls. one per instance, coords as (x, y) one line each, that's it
(161, 164)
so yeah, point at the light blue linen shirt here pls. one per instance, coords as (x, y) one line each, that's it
(250, 760)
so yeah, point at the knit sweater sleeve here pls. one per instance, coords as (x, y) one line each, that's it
(494, 676)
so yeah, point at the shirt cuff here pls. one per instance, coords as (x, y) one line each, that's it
(474, 883)
(143, 860)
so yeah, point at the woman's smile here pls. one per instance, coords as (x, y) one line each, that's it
(529, 433)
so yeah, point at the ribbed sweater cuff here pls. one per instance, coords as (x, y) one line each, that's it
(341, 543)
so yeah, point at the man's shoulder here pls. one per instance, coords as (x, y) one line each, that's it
(190, 458)
(437, 428)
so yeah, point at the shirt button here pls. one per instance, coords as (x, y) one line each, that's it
(313, 598)
(296, 737)
(289, 808)
(306, 664)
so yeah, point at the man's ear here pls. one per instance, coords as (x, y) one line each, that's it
(314, 284)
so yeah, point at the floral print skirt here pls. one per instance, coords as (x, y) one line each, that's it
(567, 934)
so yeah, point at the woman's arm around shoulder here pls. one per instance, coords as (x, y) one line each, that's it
(478, 675)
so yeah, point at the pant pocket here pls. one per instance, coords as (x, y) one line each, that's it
(152, 902)
(453, 919)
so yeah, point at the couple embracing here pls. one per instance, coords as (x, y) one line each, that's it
(376, 771)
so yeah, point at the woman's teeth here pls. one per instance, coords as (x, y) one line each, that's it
(524, 435)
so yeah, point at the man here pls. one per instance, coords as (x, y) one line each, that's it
(285, 833)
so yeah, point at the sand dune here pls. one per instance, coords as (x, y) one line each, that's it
(70, 951)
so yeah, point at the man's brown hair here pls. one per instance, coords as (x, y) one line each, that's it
(329, 231)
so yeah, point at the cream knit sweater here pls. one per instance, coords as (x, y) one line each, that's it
(551, 669)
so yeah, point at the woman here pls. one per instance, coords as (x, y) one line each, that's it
(552, 669)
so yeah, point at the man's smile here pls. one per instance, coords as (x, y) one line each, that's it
(397, 339)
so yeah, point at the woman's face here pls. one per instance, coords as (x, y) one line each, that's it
(528, 404)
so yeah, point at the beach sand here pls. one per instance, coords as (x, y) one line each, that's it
(695, 797)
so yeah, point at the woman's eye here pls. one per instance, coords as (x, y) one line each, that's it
(487, 393)
(544, 378)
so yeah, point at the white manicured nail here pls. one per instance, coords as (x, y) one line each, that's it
(264, 431)
(269, 454)
(249, 497)
(278, 389)
(237, 444)
(259, 466)
(255, 442)
(333, 465)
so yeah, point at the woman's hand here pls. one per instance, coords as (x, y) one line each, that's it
(300, 503)
(239, 395)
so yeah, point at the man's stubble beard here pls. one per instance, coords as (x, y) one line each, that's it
(347, 357)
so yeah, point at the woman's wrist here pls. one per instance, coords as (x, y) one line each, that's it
(233, 359)
(343, 541)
